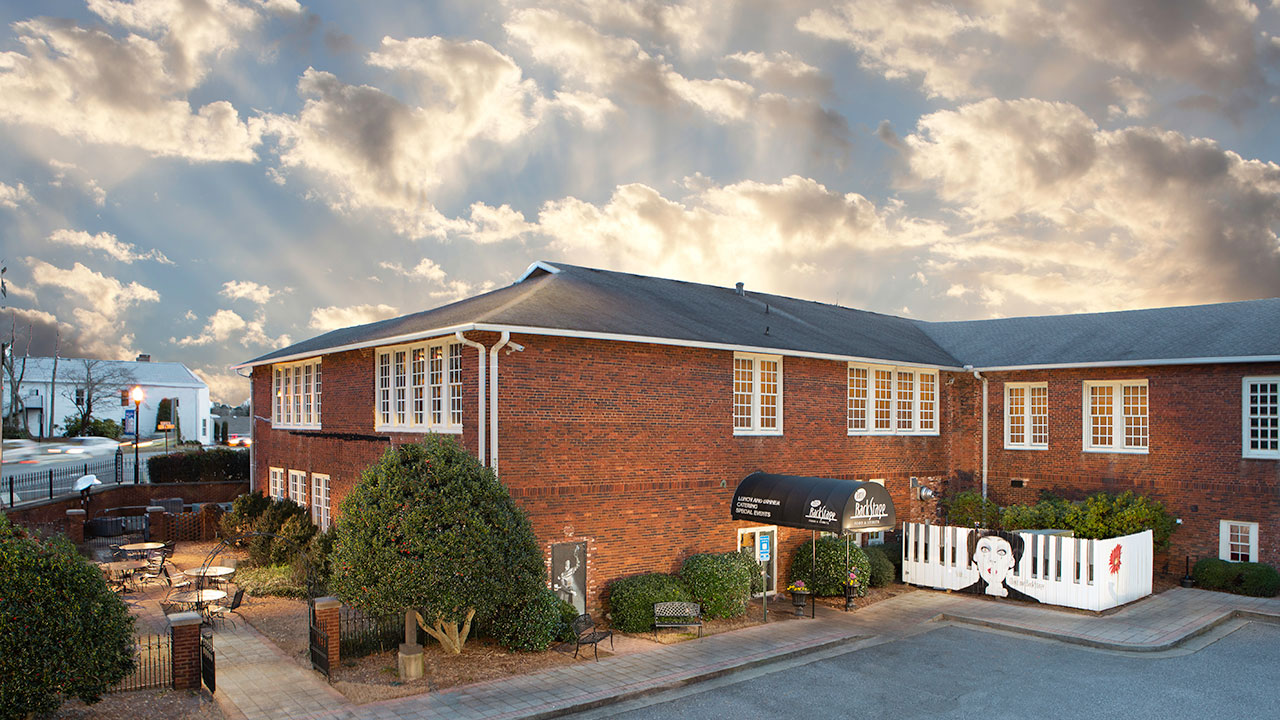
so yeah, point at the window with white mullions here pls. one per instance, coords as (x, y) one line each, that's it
(886, 400)
(1238, 540)
(420, 387)
(1116, 416)
(757, 394)
(298, 487)
(1026, 416)
(275, 485)
(296, 387)
(1261, 421)
(320, 501)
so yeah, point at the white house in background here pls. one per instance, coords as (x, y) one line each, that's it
(158, 380)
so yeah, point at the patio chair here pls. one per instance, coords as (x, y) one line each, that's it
(155, 571)
(585, 628)
(223, 612)
(176, 579)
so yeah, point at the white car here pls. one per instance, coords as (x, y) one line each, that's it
(18, 450)
(89, 445)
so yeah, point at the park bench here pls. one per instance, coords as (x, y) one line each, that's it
(676, 614)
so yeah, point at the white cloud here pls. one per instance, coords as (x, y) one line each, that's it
(247, 290)
(426, 269)
(131, 90)
(99, 324)
(224, 324)
(225, 386)
(333, 317)
(1058, 212)
(108, 244)
(781, 71)
(496, 224)
(367, 150)
(88, 184)
(11, 196)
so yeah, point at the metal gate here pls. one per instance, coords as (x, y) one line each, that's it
(319, 641)
(208, 670)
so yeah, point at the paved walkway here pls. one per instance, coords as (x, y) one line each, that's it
(256, 681)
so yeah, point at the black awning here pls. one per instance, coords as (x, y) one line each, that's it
(813, 503)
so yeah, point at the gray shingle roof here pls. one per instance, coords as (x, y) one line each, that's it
(1225, 330)
(601, 301)
(167, 374)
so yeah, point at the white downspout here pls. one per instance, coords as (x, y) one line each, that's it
(493, 398)
(978, 375)
(479, 395)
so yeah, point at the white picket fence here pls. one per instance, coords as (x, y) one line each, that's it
(1055, 570)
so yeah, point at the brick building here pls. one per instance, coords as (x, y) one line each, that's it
(623, 410)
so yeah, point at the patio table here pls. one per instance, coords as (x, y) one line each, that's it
(195, 599)
(218, 574)
(142, 547)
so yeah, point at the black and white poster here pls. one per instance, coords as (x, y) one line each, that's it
(569, 573)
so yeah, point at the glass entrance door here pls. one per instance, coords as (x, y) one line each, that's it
(751, 541)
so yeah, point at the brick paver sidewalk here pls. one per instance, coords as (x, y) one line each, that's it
(1151, 624)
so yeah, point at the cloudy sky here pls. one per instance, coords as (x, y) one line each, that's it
(206, 180)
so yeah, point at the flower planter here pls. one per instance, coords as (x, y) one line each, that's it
(850, 592)
(799, 600)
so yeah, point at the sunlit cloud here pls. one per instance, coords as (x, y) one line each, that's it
(108, 244)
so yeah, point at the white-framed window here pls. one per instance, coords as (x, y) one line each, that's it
(1261, 422)
(1026, 416)
(1116, 416)
(757, 394)
(1238, 540)
(888, 400)
(298, 487)
(419, 387)
(275, 484)
(296, 388)
(320, 501)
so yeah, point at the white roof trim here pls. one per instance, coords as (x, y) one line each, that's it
(538, 265)
(590, 335)
(1135, 363)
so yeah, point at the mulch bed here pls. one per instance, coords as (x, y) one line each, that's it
(144, 705)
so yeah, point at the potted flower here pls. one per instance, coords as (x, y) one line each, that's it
(850, 588)
(799, 596)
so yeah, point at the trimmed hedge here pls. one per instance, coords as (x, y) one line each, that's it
(631, 599)
(831, 567)
(1098, 517)
(1241, 578)
(218, 464)
(720, 582)
(882, 569)
(533, 626)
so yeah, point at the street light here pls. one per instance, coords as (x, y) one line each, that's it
(137, 395)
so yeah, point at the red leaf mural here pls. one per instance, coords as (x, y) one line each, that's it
(1115, 560)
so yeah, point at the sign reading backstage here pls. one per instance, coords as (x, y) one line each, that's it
(814, 503)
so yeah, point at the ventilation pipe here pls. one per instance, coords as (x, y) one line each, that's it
(978, 375)
(479, 395)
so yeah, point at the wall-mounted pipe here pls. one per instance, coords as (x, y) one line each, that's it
(479, 395)
(493, 398)
(978, 375)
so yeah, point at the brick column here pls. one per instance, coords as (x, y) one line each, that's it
(184, 642)
(327, 619)
(157, 521)
(75, 526)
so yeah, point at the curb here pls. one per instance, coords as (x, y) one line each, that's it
(1104, 645)
(691, 680)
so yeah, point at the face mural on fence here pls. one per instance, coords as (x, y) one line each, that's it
(995, 553)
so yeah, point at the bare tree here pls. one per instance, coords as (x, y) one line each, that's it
(16, 371)
(94, 382)
(53, 379)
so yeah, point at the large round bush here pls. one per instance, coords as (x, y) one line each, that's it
(882, 570)
(631, 599)
(719, 581)
(1259, 580)
(829, 580)
(533, 625)
(63, 633)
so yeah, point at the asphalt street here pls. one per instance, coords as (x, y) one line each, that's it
(956, 672)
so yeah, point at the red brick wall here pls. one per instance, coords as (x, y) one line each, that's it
(628, 446)
(113, 496)
(1194, 465)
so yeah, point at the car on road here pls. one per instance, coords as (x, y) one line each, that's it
(88, 445)
(238, 440)
(17, 450)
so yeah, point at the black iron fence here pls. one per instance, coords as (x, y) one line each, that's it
(154, 668)
(318, 640)
(360, 634)
(59, 480)
(208, 669)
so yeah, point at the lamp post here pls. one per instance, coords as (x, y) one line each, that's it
(136, 395)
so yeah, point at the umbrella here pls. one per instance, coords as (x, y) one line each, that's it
(85, 481)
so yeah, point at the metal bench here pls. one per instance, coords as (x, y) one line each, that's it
(585, 628)
(676, 614)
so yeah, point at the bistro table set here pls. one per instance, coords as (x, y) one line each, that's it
(203, 589)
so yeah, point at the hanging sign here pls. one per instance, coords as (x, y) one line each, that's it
(764, 548)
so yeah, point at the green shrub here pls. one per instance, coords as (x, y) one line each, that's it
(274, 546)
(751, 567)
(214, 465)
(277, 580)
(968, 508)
(63, 633)
(829, 580)
(316, 564)
(631, 599)
(720, 582)
(294, 538)
(533, 625)
(1213, 574)
(1259, 580)
(882, 570)
(1103, 515)
(245, 510)
(892, 549)
(568, 613)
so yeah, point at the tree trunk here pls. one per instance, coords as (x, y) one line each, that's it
(448, 634)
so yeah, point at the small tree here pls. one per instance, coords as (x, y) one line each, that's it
(63, 633)
(95, 382)
(226, 434)
(428, 528)
(164, 412)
